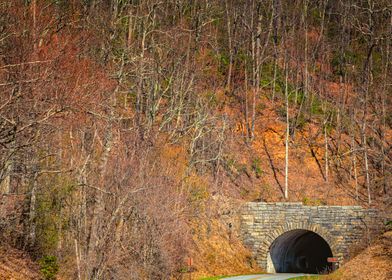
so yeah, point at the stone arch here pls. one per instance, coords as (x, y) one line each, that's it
(273, 235)
(339, 226)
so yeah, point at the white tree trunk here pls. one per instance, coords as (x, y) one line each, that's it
(286, 179)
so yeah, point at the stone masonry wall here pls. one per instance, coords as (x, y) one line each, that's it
(340, 226)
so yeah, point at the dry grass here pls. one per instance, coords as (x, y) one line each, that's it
(16, 265)
(374, 263)
(219, 254)
(218, 249)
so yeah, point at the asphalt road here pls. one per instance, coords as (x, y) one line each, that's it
(278, 276)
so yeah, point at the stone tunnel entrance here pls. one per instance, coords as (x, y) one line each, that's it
(299, 251)
(292, 237)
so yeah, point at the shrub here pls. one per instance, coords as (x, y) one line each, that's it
(388, 225)
(49, 267)
(297, 97)
(281, 112)
(316, 106)
(312, 202)
(256, 167)
(299, 121)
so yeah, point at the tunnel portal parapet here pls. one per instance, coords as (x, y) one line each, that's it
(340, 226)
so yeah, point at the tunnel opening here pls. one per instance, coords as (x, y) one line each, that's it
(299, 251)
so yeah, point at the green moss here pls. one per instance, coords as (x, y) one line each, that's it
(305, 277)
(212, 278)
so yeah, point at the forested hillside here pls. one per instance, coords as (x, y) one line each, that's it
(130, 130)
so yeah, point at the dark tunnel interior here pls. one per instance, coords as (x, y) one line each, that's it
(300, 251)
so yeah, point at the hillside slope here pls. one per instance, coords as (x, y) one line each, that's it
(122, 122)
(17, 265)
(375, 262)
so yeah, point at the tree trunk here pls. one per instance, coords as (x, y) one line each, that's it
(230, 42)
(32, 211)
(286, 178)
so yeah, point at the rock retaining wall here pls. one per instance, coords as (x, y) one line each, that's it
(340, 226)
